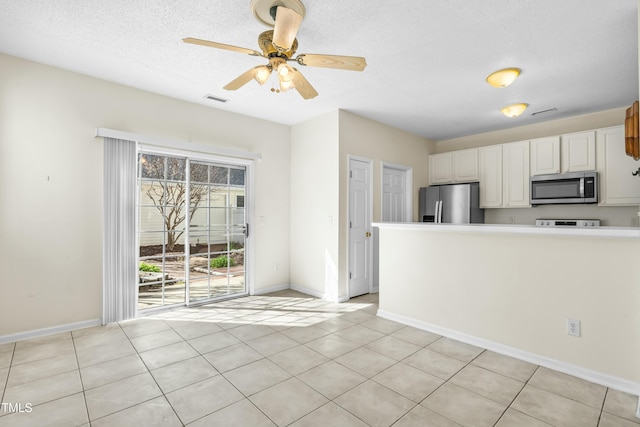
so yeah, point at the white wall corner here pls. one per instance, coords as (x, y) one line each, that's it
(308, 291)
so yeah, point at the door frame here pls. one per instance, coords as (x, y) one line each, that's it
(408, 187)
(348, 218)
(249, 164)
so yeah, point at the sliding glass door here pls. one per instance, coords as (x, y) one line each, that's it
(191, 230)
(217, 231)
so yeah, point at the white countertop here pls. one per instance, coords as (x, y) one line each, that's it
(598, 232)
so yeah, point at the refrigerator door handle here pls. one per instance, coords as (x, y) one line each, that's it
(440, 212)
(435, 212)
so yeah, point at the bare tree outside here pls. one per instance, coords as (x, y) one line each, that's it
(168, 192)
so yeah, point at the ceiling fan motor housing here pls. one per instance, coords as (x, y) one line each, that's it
(265, 41)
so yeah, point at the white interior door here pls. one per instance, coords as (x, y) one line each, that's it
(359, 227)
(394, 194)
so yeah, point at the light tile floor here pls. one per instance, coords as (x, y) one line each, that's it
(286, 359)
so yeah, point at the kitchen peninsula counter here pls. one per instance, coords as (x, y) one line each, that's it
(602, 232)
(511, 289)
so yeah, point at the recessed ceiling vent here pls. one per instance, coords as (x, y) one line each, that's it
(216, 98)
(544, 111)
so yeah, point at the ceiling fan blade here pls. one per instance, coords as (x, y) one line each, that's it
(222, 46)
(286, 27)
(352, 63)
(242, 79)
(303, 87)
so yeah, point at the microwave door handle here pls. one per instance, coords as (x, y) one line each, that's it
(581, 187)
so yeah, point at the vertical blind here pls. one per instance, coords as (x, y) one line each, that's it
(119, 287)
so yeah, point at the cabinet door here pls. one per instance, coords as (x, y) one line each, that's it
(441, 168)
(465, 165)
(618, 187)
(490, 174)
(515, 174)
(545, 155)
(578, 151)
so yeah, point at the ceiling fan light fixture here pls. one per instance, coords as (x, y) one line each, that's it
(285, 85)
(503, 78)
(262, 74)
(514, 110)
(285, 71)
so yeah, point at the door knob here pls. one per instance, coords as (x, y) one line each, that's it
(368, 234)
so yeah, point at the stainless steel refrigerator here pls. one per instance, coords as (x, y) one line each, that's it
(453, 204)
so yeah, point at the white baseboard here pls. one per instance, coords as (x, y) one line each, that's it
(577, 371)
(270, 289)
(49, 331)
(308, 291)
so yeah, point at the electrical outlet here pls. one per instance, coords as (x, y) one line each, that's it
(573, 327)
(276, 267)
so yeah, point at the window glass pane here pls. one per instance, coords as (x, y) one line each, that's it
(151, 219)
(151, 244)
(237, 177)
(219, 175)
(199, 173)
(198, 195)
(217, 197)
(239, 201)
(176, 169)
(152, 166)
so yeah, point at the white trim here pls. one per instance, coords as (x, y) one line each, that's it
(408, 183)
(370, 162)
(36, 333)
(577, 371)
(307, 291)
(270, 289)
(172, 143)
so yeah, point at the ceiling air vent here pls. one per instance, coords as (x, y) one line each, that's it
(215, 98)
(544, 111)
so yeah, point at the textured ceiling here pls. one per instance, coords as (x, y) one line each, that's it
(427, 59)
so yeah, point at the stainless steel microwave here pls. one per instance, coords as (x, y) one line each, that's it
(564, 188)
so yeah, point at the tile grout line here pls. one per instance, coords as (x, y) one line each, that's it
(6, 381)
(84, 396)
(516, 396)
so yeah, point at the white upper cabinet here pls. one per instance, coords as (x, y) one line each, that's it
(578, 151)
(441, 168)
(515, 174)
(454, 166)
(490, 174)
(618, 187)
(465, 165)
(545, 155)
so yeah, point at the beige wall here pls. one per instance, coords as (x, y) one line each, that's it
(518, 291)
(51, 245)
(319, 170)
(314, 206)
(597, 120)
(379, 143)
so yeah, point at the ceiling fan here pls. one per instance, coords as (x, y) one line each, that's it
(278, 46)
